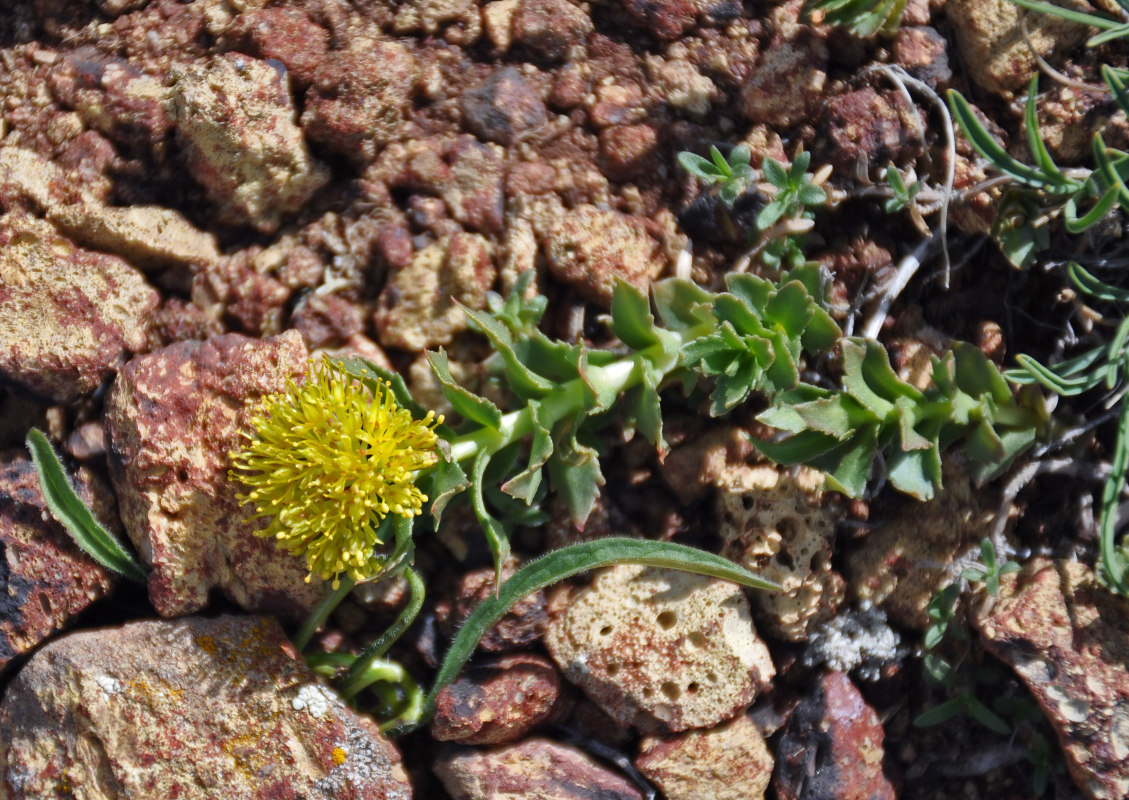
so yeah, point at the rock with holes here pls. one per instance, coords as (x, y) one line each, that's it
(68, 316)
(497, 701)
(1067, 637)
(832, 747)
(172, 418)
(729, 762)
(533, 768)
(774, 524)
(44, 578)
(194, 709)
(905, 561)
(236, 122)
(664, 651)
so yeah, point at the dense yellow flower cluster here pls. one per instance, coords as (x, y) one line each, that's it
(326, 462)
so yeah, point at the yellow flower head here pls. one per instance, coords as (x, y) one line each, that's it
(326, 462)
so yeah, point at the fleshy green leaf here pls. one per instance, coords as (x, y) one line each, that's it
(681, 304)
(575, 472)
(522, 380)
(525, 484)
(65, 505)
(472, 407)
(447, 481)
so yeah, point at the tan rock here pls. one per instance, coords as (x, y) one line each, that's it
(1067, 637)
(195, 709)
(417, 308)
(236, 122)
(67, 316)
(662, 650)
(774, 524)
(45, 580)
(25, 175)
(905, 561)
(146, 236)
(788, 83)
(171, 419)
(999, 55)
(729, 762)
(591, 249)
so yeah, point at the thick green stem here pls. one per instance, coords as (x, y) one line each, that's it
(359, 673)
(320, 614)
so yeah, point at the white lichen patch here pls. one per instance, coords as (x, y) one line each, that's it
(314, 699)
(109, 684)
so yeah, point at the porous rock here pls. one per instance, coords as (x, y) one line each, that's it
(172, 418)
(1067, 637)
(1000, 52)
(905, 561)
(237, 126)
(45, 580)
(417, 308)
(589, 249)
(67, 316)
(729, 762)
(774, 524)
(664, 651)
(832, 747)
(193, 709)
(496, 701)
(532, 768)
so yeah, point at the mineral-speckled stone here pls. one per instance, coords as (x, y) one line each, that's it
(503, 107)
(534, 768)
(729, 762)
(44, 578)
(591, 249)
(902, 563)
(417, 308)
(67, 316)
(664, 651)
(497, 701)
(171, 419)
(195, 709)
(788, 83)
(236, 122)
(1068, 638)
(831, 748)
(519, 628)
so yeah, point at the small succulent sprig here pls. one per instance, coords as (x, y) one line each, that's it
(863, 18)
(968, 406)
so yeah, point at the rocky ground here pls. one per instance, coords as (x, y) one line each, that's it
(197, 196)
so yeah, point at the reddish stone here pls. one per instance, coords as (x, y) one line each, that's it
(664, 19)
(519, 628)
(787, 84)
(285, 34)
(924, 54)
(628, 152)
(497, 701)
(503, 107)
(872, 128)
(45, 580)
(550, 28)
(831, 748)
(534, 768)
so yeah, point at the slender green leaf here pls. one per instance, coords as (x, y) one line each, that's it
(496, 537)
(941, 713)
(75, 517)
(564, 563)
(1069, 14)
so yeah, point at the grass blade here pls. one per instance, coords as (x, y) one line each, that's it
(565, 563)
(1069, 14)
(68, 509)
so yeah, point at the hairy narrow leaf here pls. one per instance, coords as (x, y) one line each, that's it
(72, 513)
(565, 563)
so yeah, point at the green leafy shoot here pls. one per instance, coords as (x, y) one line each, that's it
(565, 563)
(795, 190)
(863, 18)
(733, 175)
(73, 514)
(903, 196)
(1111, 28)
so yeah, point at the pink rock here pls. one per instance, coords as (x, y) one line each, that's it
(535, 768)
(45, 580)
(171, 419)
(831, 748)
(194, 709)
(67, 316)
(1067, 637)
(497, 701)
